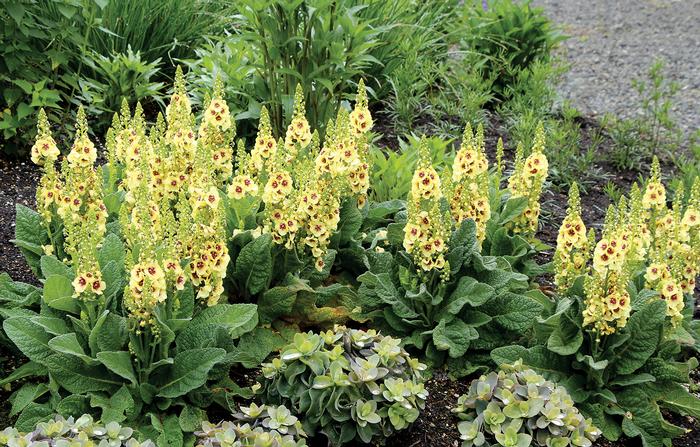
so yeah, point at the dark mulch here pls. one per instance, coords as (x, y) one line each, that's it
(18, 182)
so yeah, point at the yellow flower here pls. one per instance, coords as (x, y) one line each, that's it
(527, 180)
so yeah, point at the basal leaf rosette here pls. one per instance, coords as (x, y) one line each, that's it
(80, 432)
(273, 426)
(516, 407)
(349, 384)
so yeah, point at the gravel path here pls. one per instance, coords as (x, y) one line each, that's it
(613, 42)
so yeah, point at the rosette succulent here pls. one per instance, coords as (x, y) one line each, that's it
(348, 384)
(264, 425)
(81, 432)
(517, 407)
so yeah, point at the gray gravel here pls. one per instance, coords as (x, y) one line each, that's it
(615, 41)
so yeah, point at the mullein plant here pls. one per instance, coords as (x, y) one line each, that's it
(133, 255)
(287, 201)
(430, 283)
(618, 332)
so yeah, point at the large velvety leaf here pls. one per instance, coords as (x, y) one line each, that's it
(58, 293)
(79, 378)
(350, 222)
(108, 334)
(119, 362)
(26, 395)
(646, 420)
(255, 346)
(468, 291)
(33, 414)
(513, 208)
(116, 407)
(17, 294)
(29, 337)
(112, 250)
(645, 325)
(50, 265)
(454, 337)
(675, 397)
(28, 226)
(566, 338)
(189, 371)
(278, 301)
(68, 344)
(254, 264)
(235, 319)
(513, 311)
(29, 369)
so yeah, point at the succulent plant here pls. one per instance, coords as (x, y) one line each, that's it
(259, 426)
(516, 407)
(81, 432)
(348, 384)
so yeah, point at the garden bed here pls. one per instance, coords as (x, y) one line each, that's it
(436, 425)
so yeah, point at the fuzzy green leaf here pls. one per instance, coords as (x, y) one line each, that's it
(29, 337)
(513, 311)
(58, 293)
(645, 325)
(235, 319)
(119, 362)
(189, 371)
(547, 363)
(454, 337)
(254, 264)
(566, 338)
(468, 291)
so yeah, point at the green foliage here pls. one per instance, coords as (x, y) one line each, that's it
(480, 305)
(254, 426)
(638, 139)
(61, 432)
(508, 37)
(36, 69)
(158, 29)
(59, 53)
(518, 407)
(622, 380)
(349, 384)
(114, 78)
(392, 170)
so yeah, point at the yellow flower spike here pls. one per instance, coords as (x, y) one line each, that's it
(527, 180)
(83, 152)
(44, 151)
(361, 118)
(179, 105)
(298, 134)
(427, 230)
(265, 145)
(655, 193)
(469, 191)
(571, 255)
